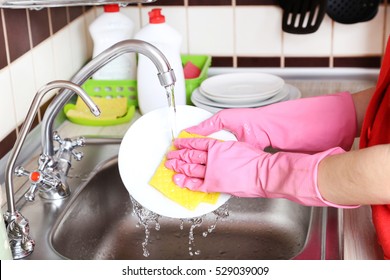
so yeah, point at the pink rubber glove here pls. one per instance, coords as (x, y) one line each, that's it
(242, 170)
(304, 125)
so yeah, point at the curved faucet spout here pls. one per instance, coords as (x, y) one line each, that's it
(27, 125)
(165, 75)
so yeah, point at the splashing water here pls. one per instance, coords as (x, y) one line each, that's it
(182, 224)
(220, 214)
(147, 217)
(196, 222)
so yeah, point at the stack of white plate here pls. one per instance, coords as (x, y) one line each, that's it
(242, 90)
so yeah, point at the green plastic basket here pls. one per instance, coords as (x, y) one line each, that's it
(113, 88)
(203, 62)
(108, 89)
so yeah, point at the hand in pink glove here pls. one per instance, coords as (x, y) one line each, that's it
(304, 125)
(242, 170)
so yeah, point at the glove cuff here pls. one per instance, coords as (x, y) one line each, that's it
(294, 176)
(322, 201)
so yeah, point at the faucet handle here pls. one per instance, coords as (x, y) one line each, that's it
(69, 145)
(36, 179)
(78, 142)
(77, 155)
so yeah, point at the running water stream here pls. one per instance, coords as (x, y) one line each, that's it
(172, 109)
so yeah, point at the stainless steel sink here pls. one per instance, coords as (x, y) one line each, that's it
(99, 223)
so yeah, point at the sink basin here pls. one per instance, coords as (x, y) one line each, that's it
(99, 223)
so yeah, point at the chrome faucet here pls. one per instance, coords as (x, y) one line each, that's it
(46, 176)
(51, 161)
(165, 75)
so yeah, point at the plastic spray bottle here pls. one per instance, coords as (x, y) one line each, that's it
(151, 95)
(106, 30)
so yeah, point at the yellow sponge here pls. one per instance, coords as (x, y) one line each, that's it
(110, 108)
(162, 181)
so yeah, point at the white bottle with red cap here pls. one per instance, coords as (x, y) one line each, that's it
(106, 30)
(151, 95)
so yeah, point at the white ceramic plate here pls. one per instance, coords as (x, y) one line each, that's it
(213, 107)
(241, 85)
(243, 103)
(294, 93)
(242, 100)
(142, 149)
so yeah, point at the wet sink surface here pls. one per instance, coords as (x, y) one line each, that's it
(99, 224)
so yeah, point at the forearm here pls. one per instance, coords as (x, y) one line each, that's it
(356, 177)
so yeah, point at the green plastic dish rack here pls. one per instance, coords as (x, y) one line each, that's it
(128, 88)
(203, 62)
(108, 89)
(114, 88)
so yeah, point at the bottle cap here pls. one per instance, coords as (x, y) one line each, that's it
(111, 8)
(155, 16)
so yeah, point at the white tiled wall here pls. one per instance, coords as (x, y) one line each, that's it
(314, 44)
(43, 63)
(58, 57)
(361, 38)
(257, 31)
(211, 30)
(23, 84)
(214, 30)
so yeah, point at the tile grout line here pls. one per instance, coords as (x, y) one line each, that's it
(331, 57)
(235, 58)
(5, 38)
(186, 7)
(38, 115)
